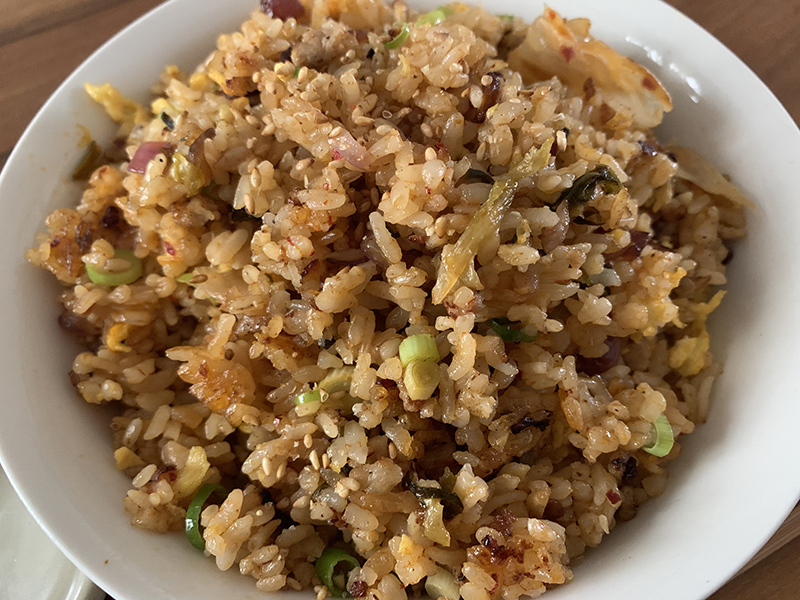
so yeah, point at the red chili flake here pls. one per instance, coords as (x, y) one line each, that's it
(568, 52)
(169, 248)
(427, 190)
(613, 497)
(588, 88)
(203, 369)
(336, 154)
(55, 242)
(326, 186)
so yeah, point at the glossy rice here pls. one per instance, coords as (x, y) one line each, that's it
(337, 178)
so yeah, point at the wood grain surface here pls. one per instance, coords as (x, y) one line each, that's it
(42, 41)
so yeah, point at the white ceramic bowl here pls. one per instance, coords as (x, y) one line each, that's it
(737, 478)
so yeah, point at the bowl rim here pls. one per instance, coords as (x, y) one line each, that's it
(116, 581)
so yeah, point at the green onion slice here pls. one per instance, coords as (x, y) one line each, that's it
(502, 327)
(418, 347)
(306, 397)
(399, 39)
(457, 262)
(326, 565)
(421, 379)
(435, 16)
(193, 512)
(129, 275)
(661, 436)
(337, 380)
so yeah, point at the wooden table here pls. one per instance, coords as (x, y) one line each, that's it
(42, 41)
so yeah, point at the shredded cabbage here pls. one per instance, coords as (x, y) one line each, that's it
(456, 261)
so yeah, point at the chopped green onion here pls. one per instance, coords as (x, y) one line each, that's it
(185, 278)
(129, 275)
(442, 584)
(296, 72)
(661, 436)
(88, 163)
(502, 327)
(584, 189)
(435, 16)
(418, 347)
(337, 380)
(193, 512)
(476, 176)
(421, 379)
(326, 565)
(457, 261)
(306, 397)
(399, 39)
(450, 500)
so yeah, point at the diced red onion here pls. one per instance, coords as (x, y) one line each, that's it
(345, 146)
(283, 9)
(146, 152)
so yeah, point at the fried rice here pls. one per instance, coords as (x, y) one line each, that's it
(419, 290)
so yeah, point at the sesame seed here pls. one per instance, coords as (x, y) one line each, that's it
(314, 457)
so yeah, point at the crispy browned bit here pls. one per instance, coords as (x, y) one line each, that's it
(648, 148)
(649, 83)
(553, 511)
(111, 217)
(504, 522)
(624, 468)
(491, 95)
(596, 365)
(75, 379)
(358, 589)
(540, 420)
(84, 236)
(632, 251)
(79, 328)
